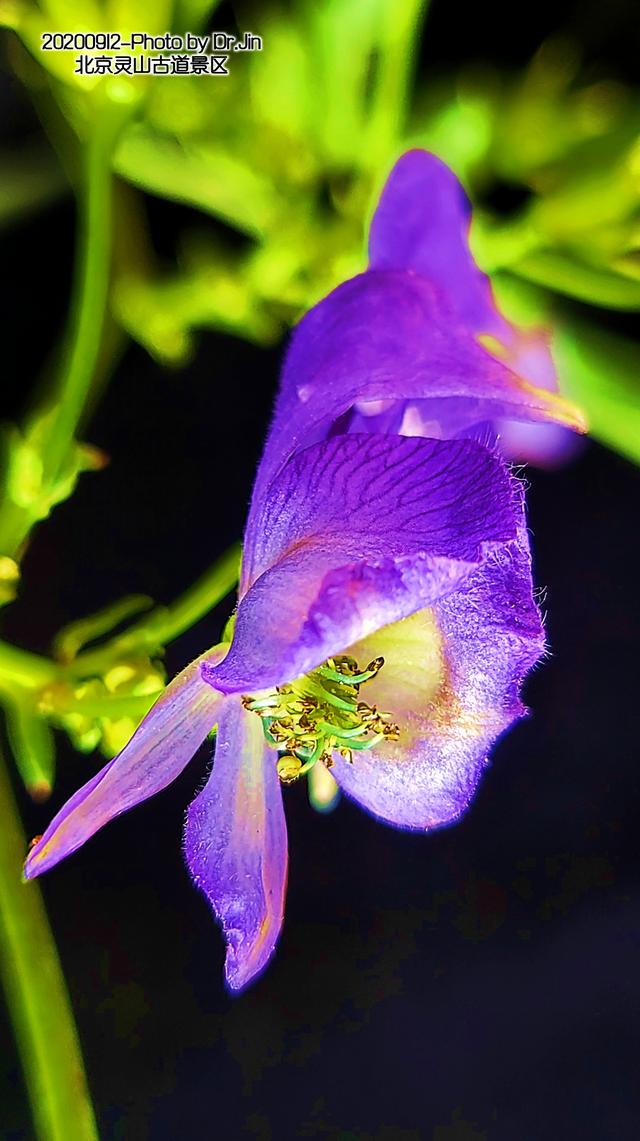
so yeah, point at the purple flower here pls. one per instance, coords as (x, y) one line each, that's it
(385, 618)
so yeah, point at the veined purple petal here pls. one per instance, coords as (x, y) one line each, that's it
(358, 532)
(236, 844)
(489, 635)
(156, 754)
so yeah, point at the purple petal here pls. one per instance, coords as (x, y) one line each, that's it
(545, 445)
(156, 754)
(422, 224)
(236, 844)
(490, 635)
(356, 533)
(382, 340)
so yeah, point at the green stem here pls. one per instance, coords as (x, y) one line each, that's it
(59, 412)
(24, 669)
(161, 626)
(91, 286)
(214, 585)
(37, 996)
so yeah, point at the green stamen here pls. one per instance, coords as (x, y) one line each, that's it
(326, 695)
(336, 731)
(309, 719)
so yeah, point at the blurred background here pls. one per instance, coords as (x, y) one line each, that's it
(477, 984)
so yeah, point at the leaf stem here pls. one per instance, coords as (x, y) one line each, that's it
(200, 598)
(37, 996)
(58, 412)
(166, 623)
(91, 285)
(26, 670)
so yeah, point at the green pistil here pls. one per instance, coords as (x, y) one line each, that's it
(309, 719)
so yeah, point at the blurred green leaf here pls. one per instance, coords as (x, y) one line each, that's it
(362, 56)
(28, 487)
(193, 15)
(9, 579)
(566, 275)
(601, 371)
(31, 179)
(152, 16)
(280, 80)
(203, 176)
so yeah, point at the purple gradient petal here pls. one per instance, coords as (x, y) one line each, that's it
(422, 224)
(545, 445)
(492, 636)
(236, 844)
(156, 754)
(356, 533)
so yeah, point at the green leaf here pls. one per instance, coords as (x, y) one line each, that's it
(191, 15)
(31, 180)
(201, 175)
(574, 278)
(601, 372)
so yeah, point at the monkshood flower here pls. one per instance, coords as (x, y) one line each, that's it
(385, 619)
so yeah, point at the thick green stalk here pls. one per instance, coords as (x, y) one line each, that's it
(37, 996)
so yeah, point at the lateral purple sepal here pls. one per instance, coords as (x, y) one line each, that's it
(236, 844)
(156, 754)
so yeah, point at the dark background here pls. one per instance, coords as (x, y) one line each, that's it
(477, 984)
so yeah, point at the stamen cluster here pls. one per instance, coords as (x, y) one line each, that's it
(309, 719)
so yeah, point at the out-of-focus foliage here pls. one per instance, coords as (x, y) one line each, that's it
(281, 161)
(289, 149)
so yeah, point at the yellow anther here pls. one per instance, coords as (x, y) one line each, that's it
(288, 768)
